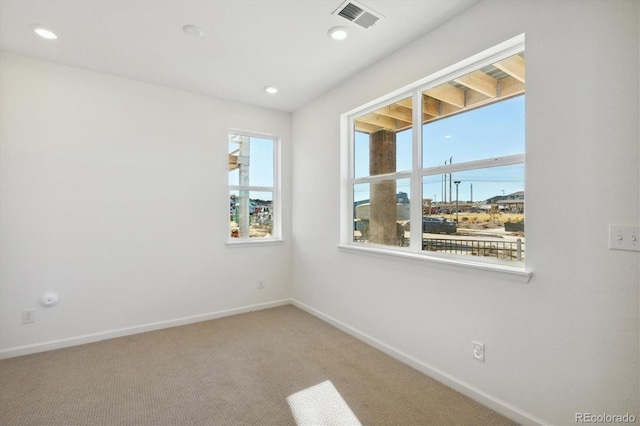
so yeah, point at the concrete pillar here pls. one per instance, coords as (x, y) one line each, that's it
(383, 211)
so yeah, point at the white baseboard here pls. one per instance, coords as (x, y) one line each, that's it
(472, 392)
(502, 407)
(110, 334)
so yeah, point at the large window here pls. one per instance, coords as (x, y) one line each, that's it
(253, 195)
(439, 171)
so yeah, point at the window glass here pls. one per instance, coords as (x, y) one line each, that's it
(382, 212)
(252, 193)
(471, 174)
(383, 140)
(492, 131)
(476, 212)
(478, 116)
(255, 156)
(256, 208)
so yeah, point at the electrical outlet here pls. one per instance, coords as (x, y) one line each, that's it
(28, 315)
(260, 284)
(478, 351)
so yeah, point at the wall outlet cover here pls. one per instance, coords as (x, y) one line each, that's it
(478, 351)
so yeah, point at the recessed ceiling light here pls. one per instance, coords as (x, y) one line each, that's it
(338, 33)
(272, 90)
(192, 30)
(43, 32)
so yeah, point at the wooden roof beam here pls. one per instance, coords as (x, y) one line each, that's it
(396, 111)
(426, 112)
(383, 121)
(448, 109)
(233, 162)
(366, 128)
(448, 93)
(514, 66)
(476, 99)
(430, 106)
(509, 86)
(480, 82)
(406, 102)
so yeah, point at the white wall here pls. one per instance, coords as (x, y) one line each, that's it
(566, 342)
(113, 194)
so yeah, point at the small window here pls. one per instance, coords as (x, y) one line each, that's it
(252, 187)
(440, 170)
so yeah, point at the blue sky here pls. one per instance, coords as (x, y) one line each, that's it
(491, 131)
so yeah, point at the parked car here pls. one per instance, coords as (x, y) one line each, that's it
(434, 225)
(438, 225)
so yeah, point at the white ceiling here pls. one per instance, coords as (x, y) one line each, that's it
(247, 44)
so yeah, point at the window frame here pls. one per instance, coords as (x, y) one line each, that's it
(416, 174)
(276, 231)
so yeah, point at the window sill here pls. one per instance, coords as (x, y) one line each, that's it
(518, 274)
(236, 242)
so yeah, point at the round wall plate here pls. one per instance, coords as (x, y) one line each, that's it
(49, 299)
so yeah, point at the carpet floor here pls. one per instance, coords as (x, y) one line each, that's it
(236, 370)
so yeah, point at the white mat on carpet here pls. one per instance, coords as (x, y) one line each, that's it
(321, 405)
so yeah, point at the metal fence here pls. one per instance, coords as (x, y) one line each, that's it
(484, 248)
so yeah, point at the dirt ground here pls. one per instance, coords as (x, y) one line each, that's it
(484, 220)
(255, 231)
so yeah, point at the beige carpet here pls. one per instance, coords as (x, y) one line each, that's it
(237, 370)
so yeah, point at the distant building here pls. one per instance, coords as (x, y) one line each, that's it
(516, 196)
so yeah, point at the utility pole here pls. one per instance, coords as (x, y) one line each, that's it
(450, 186)
(444, 185)
(457, 183)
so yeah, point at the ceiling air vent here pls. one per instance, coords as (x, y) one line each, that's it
(357, 13)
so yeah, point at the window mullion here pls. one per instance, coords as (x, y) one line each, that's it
(415, 243)
(348, 152)
(252, 188)
(477, 164)
(386, 176)
(276, 216)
